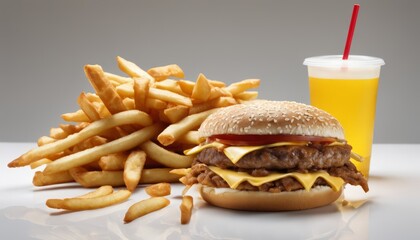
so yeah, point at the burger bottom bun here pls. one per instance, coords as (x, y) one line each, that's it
(266, 201)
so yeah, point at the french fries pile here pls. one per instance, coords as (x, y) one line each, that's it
(131, 131)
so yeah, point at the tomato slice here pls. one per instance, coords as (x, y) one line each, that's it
(253, 140)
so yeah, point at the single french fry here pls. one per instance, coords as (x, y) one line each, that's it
(202, 89)
(215, 92)
(191, 137)
(133, 168)
(90, 179)
(165, 157)
(186, 86)
(247, 95)
(41, 179)
(129, 103)
(181, 171)
(169, 96)
(78, 116)
(170, 85)
(141, 91)
(87, 107)
(79, 204)
(176, 130)
(242, 86)
(186, 209)
(156, 104)
(163, 72)
(101, 191)
(105, 90)
(71, 129)
(175, 114)
(93, 97)
(113, 162)
(132, 70)
(45, 140)
(144, 207)
(125, 90)
(95, 128)
(215, 83)
(40, 162)
(117, 78)
(224, 102)
(101, 109)
(57, 133)
(158, 190)
(89, 143)
(201, 107)
(90, 155)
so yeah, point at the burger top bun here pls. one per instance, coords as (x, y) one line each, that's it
(263, 117)
(266, 201)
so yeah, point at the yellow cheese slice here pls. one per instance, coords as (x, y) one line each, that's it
(306, 179)
(234, 153)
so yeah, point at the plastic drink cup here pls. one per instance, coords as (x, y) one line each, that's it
(347, 89)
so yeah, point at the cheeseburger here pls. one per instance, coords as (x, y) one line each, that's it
(272, 156)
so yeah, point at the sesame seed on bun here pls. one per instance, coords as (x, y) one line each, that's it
(263, 117)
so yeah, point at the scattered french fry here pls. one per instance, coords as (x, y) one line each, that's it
(79, 204)
(101, 191)
(144, 207)
(186, 209)
(158, 190)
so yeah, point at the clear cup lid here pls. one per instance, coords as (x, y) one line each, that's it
(337, 61)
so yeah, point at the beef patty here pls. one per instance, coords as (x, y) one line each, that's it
(333, 159)
(302, 158)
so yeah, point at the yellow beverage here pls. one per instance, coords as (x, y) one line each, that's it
(353, 103)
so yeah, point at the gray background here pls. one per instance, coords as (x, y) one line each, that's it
(44, 45)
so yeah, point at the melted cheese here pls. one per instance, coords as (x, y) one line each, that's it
(306, 179)
(234, 153)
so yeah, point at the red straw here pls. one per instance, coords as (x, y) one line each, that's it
(351, 31)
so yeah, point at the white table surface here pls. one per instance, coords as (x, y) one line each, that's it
(390, 210)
